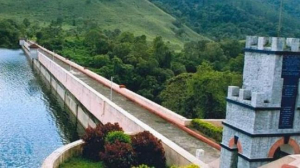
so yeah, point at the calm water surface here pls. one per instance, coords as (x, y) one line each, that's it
(33, 122)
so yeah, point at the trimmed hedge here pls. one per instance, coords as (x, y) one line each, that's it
(208, 129)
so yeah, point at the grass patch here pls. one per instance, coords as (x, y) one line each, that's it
(80, 162)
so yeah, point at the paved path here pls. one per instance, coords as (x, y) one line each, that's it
(170, 131)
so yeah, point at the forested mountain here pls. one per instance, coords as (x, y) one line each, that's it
(221, 19)
(138, 16)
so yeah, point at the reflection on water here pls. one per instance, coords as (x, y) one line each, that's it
(33, 122)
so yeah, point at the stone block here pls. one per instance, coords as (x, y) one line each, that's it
(262, 42)
(293, 43)
(251, 41)
(258, 99)
(244, 94)
(199, 154)
(233, 91)
(278, 44)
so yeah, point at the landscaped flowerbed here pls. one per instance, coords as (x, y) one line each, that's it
(110, 146)
(107, 146)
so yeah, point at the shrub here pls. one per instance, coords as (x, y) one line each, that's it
(94, 143)
(142, 166)
(118, 155)
(208, 129)
(112, 137)
(109, 127)
(94, 139)
(148, 149)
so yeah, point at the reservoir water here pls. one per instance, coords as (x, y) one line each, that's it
(33, 122)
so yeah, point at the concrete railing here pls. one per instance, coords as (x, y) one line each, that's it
(25, 45)
(63, 154)
(107, 111)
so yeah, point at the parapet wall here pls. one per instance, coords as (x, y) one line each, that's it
(25, 46)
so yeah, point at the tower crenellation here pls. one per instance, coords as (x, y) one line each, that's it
(273, 43)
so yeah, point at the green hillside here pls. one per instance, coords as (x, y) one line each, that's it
(219, 19)
(137, 16)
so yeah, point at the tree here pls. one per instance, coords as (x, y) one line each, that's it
(59, 21)
(97, 42)
(215, 55)
(100, 61)
(51, 37)
(26, 22)
(162, 53)
(178, 68)
(175, 94)
(235, 64)
(231, 48)
(207, 91)
(9, 34)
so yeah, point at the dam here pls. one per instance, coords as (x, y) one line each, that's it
(33, 120)
(93, 99)
(47, 101)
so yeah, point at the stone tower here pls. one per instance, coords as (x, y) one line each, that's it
(263, 117)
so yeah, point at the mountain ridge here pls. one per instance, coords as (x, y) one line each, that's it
(137, 16)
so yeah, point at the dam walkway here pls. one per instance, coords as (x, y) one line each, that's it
(167, 129)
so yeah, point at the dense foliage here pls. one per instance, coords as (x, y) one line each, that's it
(234, 19)
(208, 129)
(10, 33)
(200, 95)
(148, 150)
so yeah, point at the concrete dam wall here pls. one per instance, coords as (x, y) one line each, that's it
(91, 107)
